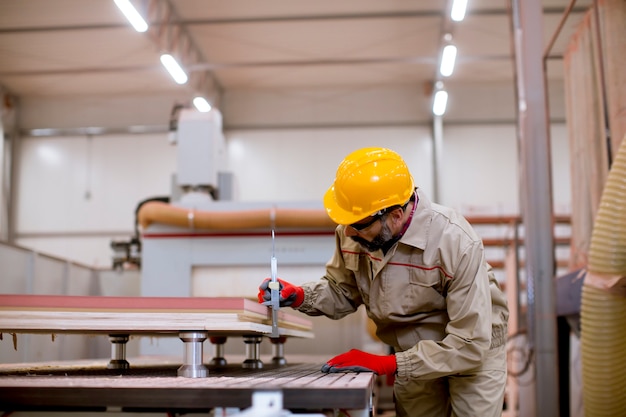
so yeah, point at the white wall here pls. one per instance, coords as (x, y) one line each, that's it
(74, 194)
(300, 165)
(481, 169)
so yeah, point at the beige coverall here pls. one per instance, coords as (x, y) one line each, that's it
(436, 301)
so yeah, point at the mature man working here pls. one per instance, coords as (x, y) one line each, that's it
(420, 271)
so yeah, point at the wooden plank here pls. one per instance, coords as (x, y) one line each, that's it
(82, 302)
(137, 323)
(141, 315)
(145, 304)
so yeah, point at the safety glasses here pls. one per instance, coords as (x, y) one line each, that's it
(363, 226)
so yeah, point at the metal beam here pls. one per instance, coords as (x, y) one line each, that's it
(202, 66)
(407, 14)
(9, 142)
(262, 64)
(536, 201)
(171, 36)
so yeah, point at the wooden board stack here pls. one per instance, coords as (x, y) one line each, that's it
(143, 315)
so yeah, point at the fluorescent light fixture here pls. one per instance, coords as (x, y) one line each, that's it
(132, 15)
(174, 68)
(201, 104)
(440, 102)
(448, 57)
(458, 10)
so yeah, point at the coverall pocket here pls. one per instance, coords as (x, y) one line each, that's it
(424, 292)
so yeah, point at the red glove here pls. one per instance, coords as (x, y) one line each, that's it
(359, 361)
(289, 295)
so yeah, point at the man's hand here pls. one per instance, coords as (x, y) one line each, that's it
(359, 361)
(289, 294)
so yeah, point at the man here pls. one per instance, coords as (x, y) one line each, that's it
(419, 269)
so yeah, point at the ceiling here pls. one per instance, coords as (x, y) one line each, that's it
(86, 47)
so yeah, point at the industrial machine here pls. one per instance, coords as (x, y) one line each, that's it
(201, 243)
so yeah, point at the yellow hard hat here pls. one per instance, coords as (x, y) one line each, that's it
(368, 180)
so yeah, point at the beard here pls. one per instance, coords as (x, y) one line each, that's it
(379, 241)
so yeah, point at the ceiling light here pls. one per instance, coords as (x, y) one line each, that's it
(132, 15)
(458, 10)
(440, 102)
(50, 155)
(448, 57)
(201, 104)
(174, 68)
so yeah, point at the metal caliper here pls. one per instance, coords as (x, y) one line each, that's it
(274, 287)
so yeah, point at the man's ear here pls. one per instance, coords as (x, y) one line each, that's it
(397, 214)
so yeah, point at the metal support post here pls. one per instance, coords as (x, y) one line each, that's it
(278, 349)
(192, 366)
(437, 157)
(218, 357)
(253, 352)
(118, 352)
(536, 201)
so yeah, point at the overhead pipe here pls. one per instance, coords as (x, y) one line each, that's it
(160, 212)
(603, 309)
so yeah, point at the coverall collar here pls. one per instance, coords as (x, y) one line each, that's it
(417, 233)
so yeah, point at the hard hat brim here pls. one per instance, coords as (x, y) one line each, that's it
(336, 213)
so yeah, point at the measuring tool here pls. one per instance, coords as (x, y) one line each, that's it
(274, 287)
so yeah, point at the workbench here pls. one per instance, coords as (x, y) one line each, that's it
(173, 385)
(152, 386)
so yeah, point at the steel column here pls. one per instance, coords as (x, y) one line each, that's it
(536, 201)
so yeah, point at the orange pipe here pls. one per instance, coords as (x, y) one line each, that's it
(159, 212)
